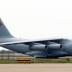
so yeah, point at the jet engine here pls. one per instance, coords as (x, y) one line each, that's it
(37, 46)
(53, 45)
(50, 45)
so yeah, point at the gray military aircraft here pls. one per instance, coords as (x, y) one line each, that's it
(39, 48)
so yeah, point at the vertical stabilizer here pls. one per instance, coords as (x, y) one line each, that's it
(4, 33)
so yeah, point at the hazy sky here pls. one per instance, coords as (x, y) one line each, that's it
(37, 19)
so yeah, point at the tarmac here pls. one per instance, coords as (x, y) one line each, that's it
(36, 67)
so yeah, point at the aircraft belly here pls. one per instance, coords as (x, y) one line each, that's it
(46, 53)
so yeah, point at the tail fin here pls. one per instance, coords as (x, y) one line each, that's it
(4, 33)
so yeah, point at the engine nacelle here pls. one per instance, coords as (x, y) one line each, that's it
(37, 46)
(53, 45)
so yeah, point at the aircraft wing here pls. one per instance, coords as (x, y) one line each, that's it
(9, 41)
(37, 48)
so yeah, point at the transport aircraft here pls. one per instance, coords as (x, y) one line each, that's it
(53, 48)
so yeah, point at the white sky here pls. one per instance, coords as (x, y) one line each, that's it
(37, 19)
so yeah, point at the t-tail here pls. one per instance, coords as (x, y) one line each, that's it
(4, 33)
